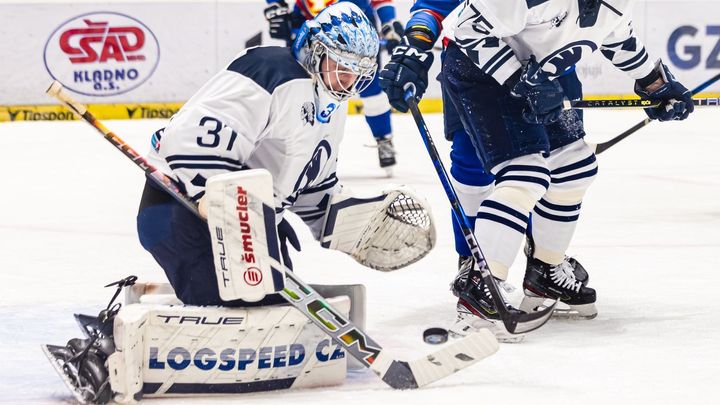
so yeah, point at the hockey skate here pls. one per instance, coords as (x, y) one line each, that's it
(81, 365)
(386, 154)
(544, 281)
(475, 307)
(581, 274)
(81, 362)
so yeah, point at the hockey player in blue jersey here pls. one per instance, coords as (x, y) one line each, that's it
(284, 24)
(505, 73)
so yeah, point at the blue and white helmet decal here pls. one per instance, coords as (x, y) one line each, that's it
(343, 28)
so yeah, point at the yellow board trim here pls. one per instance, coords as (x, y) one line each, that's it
(56, 112)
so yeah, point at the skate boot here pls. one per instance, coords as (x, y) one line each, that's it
(386, 154)
(581, 274)
(475, 307)
(81, 363)
(543, 281)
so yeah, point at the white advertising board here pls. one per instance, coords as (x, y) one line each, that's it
(162, 51)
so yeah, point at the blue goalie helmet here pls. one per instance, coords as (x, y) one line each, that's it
(339, 45)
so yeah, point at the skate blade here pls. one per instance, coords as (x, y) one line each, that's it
(587, 311)
(572, 312)
(389, 172)
(57, 364)
(462, 328)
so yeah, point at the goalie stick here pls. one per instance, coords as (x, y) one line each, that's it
(602, 147)
(396, 373)
(514, 323)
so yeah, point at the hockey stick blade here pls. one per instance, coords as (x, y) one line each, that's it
(396, 373)
(426, 370)
(526, 321)
(515, 323)
(298, 293)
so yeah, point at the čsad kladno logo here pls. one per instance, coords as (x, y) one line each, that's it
(102, 53)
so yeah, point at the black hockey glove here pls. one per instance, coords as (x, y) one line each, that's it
(286, 234)
(407, 70)
(675, 100)
(278, 16)
(392, 33)
(543, 97)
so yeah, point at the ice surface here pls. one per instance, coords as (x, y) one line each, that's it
(649, 236)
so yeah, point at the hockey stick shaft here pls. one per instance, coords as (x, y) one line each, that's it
(634, 103)
(397, 374)
(602, 147)
(513, 323)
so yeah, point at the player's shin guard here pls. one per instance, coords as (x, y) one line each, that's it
(549, 273)
(500, 226)
(503, 217)
(471, 189)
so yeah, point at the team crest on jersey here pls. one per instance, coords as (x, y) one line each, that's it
(566, 57)
(155, 139)
(320, 156)
(307, 113)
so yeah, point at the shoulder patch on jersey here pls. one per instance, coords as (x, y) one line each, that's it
(269, 67)
(307, 113)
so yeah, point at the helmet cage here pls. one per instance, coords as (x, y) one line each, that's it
(347, 63)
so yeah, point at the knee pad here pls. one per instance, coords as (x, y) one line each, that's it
(572, 169)
(522, 181)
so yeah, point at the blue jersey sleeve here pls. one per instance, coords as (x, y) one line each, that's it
(442, 7)
(425, 25)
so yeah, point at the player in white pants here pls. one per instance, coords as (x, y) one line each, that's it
(505, 71)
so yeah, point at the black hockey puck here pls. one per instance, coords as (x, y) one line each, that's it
(435, 336)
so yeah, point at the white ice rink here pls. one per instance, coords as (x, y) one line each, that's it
(649, 235)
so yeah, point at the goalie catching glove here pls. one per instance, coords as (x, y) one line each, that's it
(385, 233)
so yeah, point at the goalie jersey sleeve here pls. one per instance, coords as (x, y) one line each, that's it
(260, 112)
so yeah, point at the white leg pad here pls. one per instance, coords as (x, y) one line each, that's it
(164, 350)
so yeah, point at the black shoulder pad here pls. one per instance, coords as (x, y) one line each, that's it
(269, 66)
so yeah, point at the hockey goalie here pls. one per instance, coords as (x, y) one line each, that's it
(260, 138)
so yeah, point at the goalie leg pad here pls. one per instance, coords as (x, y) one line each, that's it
(166, 350)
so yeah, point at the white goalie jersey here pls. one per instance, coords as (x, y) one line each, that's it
(260, 112)
(498, 35)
